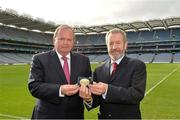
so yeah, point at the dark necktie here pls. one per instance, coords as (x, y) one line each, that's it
(66, 69)
(114, 66)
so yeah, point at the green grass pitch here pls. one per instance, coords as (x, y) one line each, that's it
(161, 101)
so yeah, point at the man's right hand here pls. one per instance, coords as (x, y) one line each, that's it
(85, 93)
(69, 89)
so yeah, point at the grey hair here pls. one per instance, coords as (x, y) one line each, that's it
(61, 27)
(116, 30)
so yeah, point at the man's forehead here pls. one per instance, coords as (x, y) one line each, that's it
(116, 35)
(65, 29)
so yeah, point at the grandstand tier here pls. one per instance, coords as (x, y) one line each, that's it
(160, 45)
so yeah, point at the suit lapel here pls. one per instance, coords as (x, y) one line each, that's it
(107, 71)
(57, 65)
(73, 68)
(120, 67)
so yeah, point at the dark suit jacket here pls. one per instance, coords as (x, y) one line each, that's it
(45, 79)
(125, 89)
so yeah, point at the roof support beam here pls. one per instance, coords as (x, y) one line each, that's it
(148, 25)
(165, 24)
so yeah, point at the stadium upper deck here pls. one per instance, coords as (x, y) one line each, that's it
(12, 18)
(153, 39)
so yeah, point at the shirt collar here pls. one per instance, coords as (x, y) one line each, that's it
(118, 60)
(60, 56)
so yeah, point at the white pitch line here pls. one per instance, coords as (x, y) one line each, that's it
(12, 116)
(164, 78)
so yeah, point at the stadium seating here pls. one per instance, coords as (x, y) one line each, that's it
(146, 57)
(175, 35)
(14, 58)
(9, 33)
(133, 55)
(100, 58)
(133, 37)
(177, 58)
(146, 36)
(162, 35)
(163, 57)
(92, 39)
(18, 46)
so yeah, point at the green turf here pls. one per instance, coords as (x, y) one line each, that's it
(14, 97)
(161, 103)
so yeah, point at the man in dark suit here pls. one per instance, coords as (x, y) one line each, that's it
(120, 82)
(53, 79)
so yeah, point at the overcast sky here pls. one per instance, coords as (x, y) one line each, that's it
(95, 12)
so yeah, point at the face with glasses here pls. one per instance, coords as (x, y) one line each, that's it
(116, 45)
(64, 41)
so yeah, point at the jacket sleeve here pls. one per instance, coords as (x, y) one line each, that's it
(97, 99)
(37, 85)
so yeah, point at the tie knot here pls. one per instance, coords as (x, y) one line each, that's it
(114, 65)
(64, 58)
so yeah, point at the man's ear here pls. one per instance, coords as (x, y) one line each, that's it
(125, 46)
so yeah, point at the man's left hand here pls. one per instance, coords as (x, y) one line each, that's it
(98, 88)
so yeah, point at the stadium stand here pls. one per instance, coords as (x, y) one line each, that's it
(177, 57)
(15, 34)
(100, 58)
(146, 57)
(93, 39)
(133, 37)
(162, 35)
(14, 46)
(175, 34)
(133, 55)
(144, 47)
(163, 57)
(146, 35)
(149, 41)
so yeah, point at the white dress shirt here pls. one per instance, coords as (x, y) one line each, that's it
(111, 69)
(62, 63)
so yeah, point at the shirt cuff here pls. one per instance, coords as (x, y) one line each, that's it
(104, 95)
(60, 94)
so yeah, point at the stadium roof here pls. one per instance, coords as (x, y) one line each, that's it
(12, 18)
